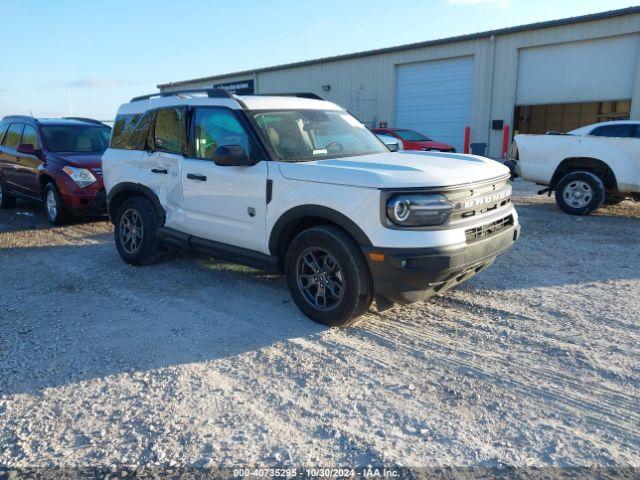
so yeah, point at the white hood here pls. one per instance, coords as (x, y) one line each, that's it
(397, 170)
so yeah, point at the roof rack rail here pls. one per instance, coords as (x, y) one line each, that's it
(211, 93)
(310, 95)
(19, 117)
(85, 119)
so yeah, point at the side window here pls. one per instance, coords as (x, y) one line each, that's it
(623, 130)
(169, 130)
(14, 134)
(3, 128)
(30, 135)
(130, 131)
(215, 127)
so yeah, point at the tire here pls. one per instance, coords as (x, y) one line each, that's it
(580, 192)
(339, 271)
(53, 205)
(6, 199)
(135, 232)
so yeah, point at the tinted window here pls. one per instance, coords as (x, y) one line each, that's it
(3, 128)
(624, 130)
(13, 135)
(30, 135)
(80, 138)
(130, 131)
(169, 130)
(215, 127)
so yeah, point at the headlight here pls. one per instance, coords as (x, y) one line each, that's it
(409, 210)
(81, 176)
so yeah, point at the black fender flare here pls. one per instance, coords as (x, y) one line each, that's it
(295, 214)
(128, 189)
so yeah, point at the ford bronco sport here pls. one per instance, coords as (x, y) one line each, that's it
(296, 185)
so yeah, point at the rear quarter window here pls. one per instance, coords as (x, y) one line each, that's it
(3, 129)
(14, 134)
(130, 131)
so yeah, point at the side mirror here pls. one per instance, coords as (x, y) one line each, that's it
(232, 156)
(27, 149)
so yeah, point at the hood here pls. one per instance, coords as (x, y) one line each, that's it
(78, 159)
(397, 170)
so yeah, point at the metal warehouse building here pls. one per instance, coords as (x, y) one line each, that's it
(555, 75)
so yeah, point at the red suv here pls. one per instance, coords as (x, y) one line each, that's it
(412, 140)
(56, 161)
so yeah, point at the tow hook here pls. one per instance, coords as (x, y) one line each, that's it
(547, 190)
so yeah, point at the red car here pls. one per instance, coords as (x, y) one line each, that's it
(412, 140)
(56, 161)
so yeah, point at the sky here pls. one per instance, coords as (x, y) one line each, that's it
(85, 58)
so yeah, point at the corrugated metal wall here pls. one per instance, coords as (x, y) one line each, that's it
(366, 85)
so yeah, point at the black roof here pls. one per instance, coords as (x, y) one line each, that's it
(461, 38)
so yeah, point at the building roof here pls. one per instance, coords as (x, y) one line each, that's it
(461, 38)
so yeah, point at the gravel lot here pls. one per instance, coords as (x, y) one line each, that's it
(192, 362)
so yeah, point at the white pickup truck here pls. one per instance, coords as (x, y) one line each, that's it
(586, 167)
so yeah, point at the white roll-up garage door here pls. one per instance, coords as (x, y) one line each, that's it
(435, 97)
(587, 71)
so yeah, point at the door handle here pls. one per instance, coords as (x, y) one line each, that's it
(196, 176)
(159, 170)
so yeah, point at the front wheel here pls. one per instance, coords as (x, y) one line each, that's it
(135, 231)
(580, 192)
(328, 276)
(53, 205)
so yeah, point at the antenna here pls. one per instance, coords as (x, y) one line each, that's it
(31, 113)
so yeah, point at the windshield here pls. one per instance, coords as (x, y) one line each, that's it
(76, 138)
(300, 135)
(412, 136)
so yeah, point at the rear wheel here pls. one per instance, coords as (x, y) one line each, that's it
(135, 231)
(53, 205)
(580, 192)
(328, 277)
(6, 199)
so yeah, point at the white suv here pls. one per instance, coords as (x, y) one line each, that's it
(296, 185)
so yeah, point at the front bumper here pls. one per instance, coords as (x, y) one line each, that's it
(412, 275)
(91, 200)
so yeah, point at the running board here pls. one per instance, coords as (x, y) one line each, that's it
(229, 253)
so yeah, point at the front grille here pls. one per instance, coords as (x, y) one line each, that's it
(476, 200)
(97, 171)
(488, 230)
